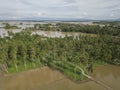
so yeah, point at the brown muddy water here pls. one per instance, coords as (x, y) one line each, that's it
(49, 79)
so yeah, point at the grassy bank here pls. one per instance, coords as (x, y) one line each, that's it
(70, 71)
(67, 68)
(21, 67)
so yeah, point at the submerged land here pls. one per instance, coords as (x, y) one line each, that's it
(62, 46)
(50, 79)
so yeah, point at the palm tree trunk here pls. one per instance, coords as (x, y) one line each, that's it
(16, 67)
(25, 65)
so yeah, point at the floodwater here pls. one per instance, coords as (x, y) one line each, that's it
(4, 33)
(58, 34)
(49, 79)
(55, 33)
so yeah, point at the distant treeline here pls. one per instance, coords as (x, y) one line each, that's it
(108, 22)
(92, 29)
(111, 29)
(8, 26)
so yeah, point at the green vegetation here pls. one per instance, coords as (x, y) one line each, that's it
(69, 69)
(21, 66)
(8, 26)
(108, 22)
(25, 51)
(106, 29)
(113, 30)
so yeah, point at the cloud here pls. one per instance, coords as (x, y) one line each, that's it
(91, 9)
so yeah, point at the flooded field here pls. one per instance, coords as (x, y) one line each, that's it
(3, 31)
(58, 34)
(48, 79)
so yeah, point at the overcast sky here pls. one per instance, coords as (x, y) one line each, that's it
(90, 9)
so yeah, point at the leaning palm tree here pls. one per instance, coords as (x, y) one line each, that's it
(15, 58)
(24, 54)
(13, 55)
(3, 60)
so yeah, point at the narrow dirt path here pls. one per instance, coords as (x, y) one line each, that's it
(93, 79)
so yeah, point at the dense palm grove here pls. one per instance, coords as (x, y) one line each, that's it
(23, 51)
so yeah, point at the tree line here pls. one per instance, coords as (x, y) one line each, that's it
(113, 30)
(107, 29)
